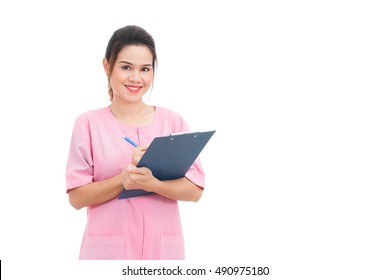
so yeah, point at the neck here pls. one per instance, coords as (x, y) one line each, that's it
(132, 114)
(127, 110)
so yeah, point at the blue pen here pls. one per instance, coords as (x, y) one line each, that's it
(130, 141)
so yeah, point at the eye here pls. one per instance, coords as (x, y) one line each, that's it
(145, 69)
(126, 67)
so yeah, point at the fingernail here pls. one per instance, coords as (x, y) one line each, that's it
(130, 168)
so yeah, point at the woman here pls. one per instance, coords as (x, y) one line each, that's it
(101, 163)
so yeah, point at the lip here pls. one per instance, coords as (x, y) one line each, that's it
(133, 89)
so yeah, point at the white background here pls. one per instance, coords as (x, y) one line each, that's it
(297, 172)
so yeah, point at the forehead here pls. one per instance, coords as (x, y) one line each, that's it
(136, 55)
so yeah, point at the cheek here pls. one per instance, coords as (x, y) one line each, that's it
(148, 77)
(117, 77)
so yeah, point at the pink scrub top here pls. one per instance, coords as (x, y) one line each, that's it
(144, 227)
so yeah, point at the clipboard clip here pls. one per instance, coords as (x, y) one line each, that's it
(181, 133)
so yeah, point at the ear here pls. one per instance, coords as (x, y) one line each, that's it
(105, 65)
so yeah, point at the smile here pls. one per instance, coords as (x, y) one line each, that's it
(134, 89)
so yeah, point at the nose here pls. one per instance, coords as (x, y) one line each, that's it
(135, 76)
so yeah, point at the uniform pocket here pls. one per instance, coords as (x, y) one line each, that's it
(103, 248)
(172, 247)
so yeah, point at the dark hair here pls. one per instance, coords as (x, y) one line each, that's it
(126, 36)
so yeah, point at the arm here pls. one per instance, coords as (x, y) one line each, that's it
(178, 189)
(95, 192)
(102, 191)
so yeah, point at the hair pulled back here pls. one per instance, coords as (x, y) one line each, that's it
(127, 36)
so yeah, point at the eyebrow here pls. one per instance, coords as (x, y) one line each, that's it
(129, 63)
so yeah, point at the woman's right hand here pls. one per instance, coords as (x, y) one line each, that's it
(138, 153)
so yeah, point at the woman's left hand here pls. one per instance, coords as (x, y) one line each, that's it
(136, 177)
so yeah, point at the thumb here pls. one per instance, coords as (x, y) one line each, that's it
(130, 168)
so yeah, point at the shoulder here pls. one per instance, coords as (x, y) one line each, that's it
(165, 112)
(91, 115)
(171, 118)
(168, 115)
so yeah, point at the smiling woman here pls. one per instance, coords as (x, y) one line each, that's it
(129, 36)
(101, 164)
(133, 72)
(131, 75)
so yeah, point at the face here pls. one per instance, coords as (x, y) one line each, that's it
(132, 74)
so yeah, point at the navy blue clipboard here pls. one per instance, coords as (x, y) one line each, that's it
(170, 157)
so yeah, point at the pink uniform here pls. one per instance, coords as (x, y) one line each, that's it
(144, 227)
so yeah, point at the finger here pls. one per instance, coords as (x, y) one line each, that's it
(125, 177)
(142, 171)
(130, 168)
(141, 149)
(144, 147)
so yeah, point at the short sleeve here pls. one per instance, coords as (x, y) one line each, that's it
(79, 169)
(196, 173)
